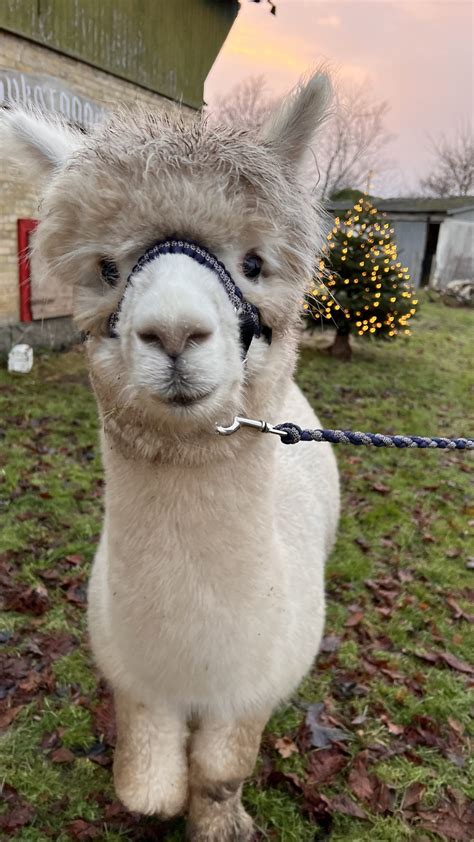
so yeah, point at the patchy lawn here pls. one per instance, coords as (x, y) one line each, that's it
(376, 744)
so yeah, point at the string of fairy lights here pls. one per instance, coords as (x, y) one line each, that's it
(361, 284)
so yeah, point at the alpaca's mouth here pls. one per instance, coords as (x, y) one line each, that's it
(187, 400)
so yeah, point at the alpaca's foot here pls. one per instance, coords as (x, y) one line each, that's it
(150, 763)
(149, 787)
(218, 816)
(222, 754)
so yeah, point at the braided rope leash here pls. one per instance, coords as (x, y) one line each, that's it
(294, 434)
(290, 433)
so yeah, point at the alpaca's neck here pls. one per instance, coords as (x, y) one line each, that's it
(174, 511)
(171, 497)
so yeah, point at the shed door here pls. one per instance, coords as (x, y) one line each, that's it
(430, 251)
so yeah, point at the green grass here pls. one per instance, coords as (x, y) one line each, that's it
(406, 517)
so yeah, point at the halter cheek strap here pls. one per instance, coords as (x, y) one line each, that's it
(249, 315)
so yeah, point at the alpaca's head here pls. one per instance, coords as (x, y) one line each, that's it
(176, 356)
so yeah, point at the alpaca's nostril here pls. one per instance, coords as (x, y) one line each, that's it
(151, 339)
(174, 342)
(198, 337)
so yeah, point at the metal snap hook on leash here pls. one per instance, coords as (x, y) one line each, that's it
(239, 422)
(292, 434)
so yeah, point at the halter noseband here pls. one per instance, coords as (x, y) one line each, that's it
(249, 315)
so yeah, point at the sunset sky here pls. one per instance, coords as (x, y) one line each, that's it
(416, 54)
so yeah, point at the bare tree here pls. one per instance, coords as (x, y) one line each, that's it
(272, 6)
(452, 173)
(350, 144)
(246, 105)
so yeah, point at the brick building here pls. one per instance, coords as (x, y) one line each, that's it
(80, 58)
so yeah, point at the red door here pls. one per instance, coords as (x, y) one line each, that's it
(25, 227)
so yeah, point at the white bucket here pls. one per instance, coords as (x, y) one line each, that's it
(20, 359)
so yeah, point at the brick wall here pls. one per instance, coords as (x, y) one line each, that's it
(17, 200)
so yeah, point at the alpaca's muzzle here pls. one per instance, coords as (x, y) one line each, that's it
(251, 325)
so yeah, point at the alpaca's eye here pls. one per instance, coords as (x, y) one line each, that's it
(109, 272)
(252, 265)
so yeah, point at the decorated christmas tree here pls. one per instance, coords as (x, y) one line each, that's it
(362, 287)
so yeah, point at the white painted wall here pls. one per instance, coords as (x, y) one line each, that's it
(455, 252)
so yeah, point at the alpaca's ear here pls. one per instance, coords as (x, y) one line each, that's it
(39, 144)
(291, 127)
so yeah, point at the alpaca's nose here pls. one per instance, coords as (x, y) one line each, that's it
(177, 340)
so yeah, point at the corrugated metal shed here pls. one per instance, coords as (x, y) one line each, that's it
(417, 222)
(465, 213)
(421, 206)
(167, 46)
(424, 204)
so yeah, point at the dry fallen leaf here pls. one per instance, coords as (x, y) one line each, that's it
(345, 805)
(455, 663)
(19, 812)
(354, 619)
(8, 715)
(359, 781)
(330, 643)
(81, 830)
(26, 600)
(62, 755)
(286, 747)
(380, 488)
(321, 734)
(413, 794)
(459, 613)
(392, 727)
(324, 764)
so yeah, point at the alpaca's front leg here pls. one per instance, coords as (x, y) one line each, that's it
(150, 763)
(222, 755)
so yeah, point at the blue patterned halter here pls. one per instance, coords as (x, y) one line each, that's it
(249, 315)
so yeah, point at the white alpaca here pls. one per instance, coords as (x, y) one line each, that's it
(206, 602)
